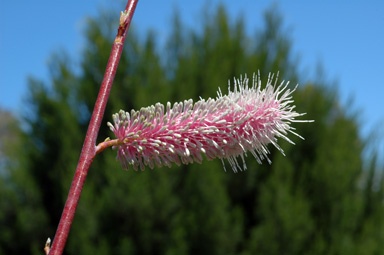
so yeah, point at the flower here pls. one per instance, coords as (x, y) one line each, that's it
(245, 120)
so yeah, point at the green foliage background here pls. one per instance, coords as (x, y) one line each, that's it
(319, 199)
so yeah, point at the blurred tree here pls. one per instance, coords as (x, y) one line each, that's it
(316, 200)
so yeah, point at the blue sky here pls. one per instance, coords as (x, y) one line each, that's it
(345, 37)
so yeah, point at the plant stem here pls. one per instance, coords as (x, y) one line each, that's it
(88, 151)
(102, 146)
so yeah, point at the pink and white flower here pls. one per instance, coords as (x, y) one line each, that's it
(245, 120)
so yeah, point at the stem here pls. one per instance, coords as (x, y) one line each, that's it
(88, 151)
(108, 143)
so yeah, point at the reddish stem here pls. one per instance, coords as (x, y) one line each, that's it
(88, 151)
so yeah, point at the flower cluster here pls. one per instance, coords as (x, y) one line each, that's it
(245, 120)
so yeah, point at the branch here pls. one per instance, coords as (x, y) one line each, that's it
(107, 143)
(89, 149)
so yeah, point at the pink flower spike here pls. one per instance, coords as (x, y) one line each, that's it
(247, 119)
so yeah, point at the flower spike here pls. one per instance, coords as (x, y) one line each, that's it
(245, 120)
